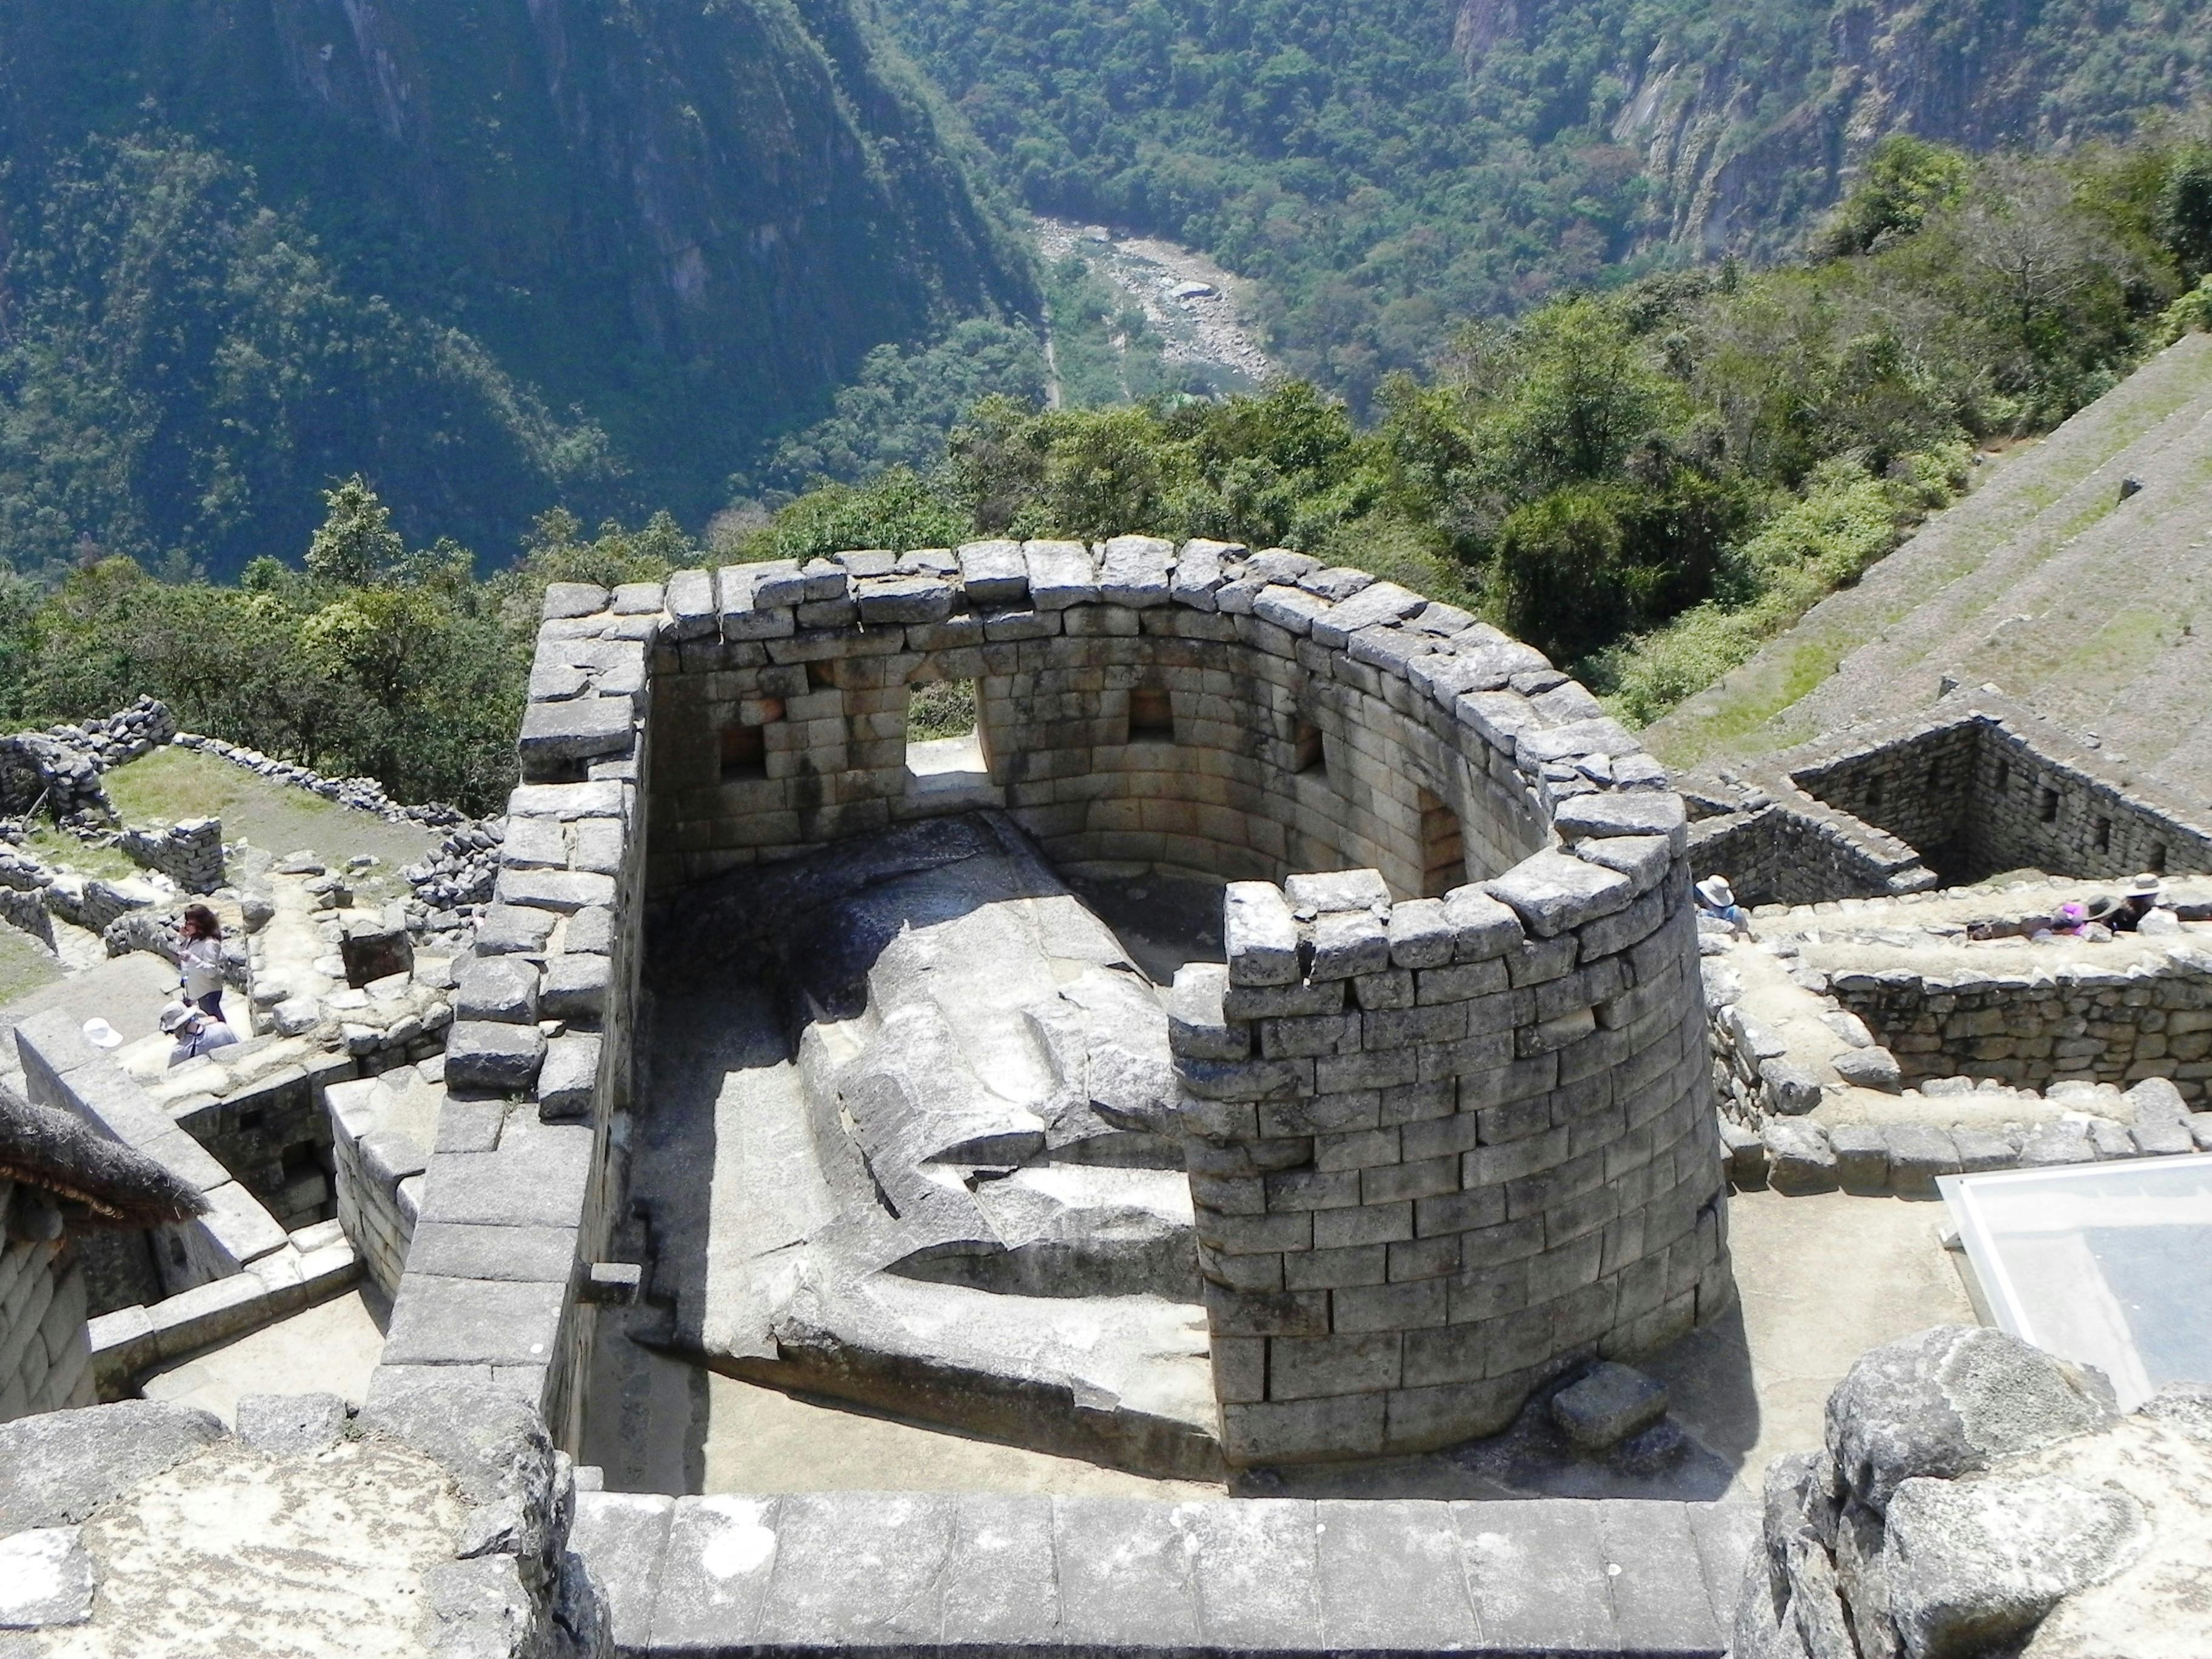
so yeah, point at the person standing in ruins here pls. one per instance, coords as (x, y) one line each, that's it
(199, 959)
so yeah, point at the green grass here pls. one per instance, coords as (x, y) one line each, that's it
(170, 784)
(25, 965)
(57, 849)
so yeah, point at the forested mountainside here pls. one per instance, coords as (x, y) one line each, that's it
(494, 253)
(1388, 165)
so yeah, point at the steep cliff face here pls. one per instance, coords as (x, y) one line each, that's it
(685, 219)
(1747, 116)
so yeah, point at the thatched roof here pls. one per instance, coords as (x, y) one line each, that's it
(52, 1151)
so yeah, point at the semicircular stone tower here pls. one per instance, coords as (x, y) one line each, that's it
(1447, 1107)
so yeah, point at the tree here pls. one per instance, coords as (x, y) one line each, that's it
(1903, 180)
(355, 545)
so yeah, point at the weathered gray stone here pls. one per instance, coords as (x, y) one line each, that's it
(1972, 1565)
(488, 1054)
(896, 601)
(576, 986)
(1918, 1153)
(373, 953)
(499, 988)
(567, 1082)
(1553, 891)
(994, 573)
(45, 1579)
(284, 1424)
(1482, 929)
(1060, 574)
(1611, 812)
(1791, 1088)
(1861, 1152)
(554, 733)
(1260, 936)
(1870, 1068)
(1799, 1158)
(1346, 943)
(1607, 1405)
(60, 1466)
(2156, 1100)
(1952, 1400)
(505, 928)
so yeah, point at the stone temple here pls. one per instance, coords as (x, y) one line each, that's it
(1272, 1044)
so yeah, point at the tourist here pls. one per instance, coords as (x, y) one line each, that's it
(195, 1034)
(1716, 899)
(199, 960)
(2141, 899)
(2066, 923)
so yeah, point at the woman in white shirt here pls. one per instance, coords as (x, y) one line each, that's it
(199, 960)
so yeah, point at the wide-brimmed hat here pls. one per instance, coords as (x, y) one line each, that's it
(2102, 906)
(1714, 891)
(2145, 885)
(176, 1016)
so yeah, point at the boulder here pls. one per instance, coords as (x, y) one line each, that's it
(1972, 1565)
(1953, 1400)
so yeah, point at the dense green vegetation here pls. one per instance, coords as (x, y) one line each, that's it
(377, 659)
(1389, 166)
(498, 255)
(1645, 483)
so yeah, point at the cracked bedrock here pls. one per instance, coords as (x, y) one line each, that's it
(910, 1142)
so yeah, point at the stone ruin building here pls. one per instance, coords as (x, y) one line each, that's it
(907, 1072)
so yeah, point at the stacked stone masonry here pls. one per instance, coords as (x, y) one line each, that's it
(1978, 785)
(2076, 1022)
(201, 1281)
(1533, 1103)
(190, 853)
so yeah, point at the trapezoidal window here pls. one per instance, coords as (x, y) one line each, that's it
(1308, 757)
(1152, 716)
(2102, 835)
(2047, 810)
(943, 735)
(744, 749)
(1443, 848)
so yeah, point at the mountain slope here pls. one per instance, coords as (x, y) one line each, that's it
(2047, 582)
(681, 221)
(1389, 166)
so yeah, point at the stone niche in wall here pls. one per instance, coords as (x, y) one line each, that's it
(1444, 1112)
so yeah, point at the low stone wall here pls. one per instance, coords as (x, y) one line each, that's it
(363, 794)
(981, 1572)
(2069, 1022)
(45, 1358)
(1786, 848)
(380, 1182)
(190, 853)
(221, 1274)
(1975, 786)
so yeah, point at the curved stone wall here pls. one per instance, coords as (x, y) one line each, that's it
(1449, 1122)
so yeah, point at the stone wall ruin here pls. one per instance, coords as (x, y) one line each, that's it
(1975, 786)
(1453, 1138)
